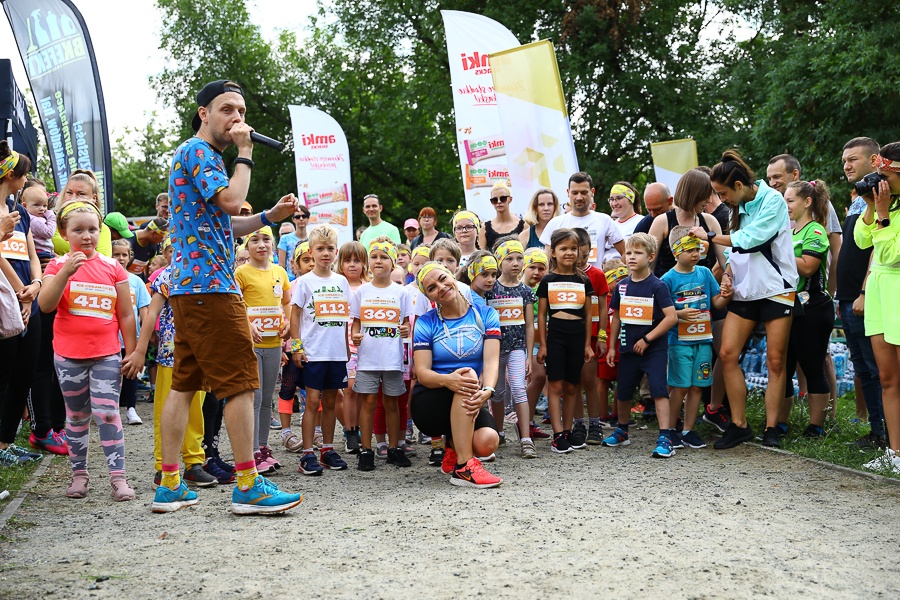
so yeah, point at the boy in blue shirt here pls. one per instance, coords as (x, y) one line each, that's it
(643, 314)
(694, 290)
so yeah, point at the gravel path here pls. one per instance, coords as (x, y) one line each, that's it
(602, 522)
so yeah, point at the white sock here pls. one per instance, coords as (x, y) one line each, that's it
(526, 440)
(285, 433)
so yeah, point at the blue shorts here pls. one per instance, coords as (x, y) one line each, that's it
(325, 375)
(690, 366)
(632, 368)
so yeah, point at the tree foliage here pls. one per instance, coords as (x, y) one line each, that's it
(141, 167)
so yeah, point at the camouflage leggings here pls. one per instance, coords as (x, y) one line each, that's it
(92, 387)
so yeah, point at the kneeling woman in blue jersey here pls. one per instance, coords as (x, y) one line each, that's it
(455, 344)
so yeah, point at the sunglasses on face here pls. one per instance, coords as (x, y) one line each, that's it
(298, 217)
(499, 199)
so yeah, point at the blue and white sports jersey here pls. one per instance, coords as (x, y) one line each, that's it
(464, 347)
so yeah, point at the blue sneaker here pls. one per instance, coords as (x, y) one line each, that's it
(167, 500)
(663, 448)
(264, 498)
(332, 460)
(692, 440)
(675, 438)
(309, 465)
(619, 437)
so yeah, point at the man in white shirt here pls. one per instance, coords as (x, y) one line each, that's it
(600, 226)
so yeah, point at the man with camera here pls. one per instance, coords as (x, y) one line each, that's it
(858, 158)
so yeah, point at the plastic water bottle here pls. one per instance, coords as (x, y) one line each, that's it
(745, 362)
(839, 361)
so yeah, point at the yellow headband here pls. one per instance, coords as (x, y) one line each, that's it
(507, 248)
(73, 205)
(688, 242)
(428, 268)
(886, 164)
(421, 250)
(152, 226)
(9, 163)
(167, 241)
(616, 274)
(536, 257)
(301, 249)
(466, 214)
(480, 265)
(621, 190)
(387, 248)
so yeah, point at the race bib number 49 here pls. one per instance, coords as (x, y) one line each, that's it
(330, 307)
(563, 295)
(267, 319)
(92, 300)
(511, 311)
(15, 248)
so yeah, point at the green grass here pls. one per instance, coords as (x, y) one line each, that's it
(13, 478)
(838, 444)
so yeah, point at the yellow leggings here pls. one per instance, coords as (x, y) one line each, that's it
(192, 447)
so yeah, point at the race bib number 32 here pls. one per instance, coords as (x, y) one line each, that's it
(330, 307)
(563, 295)
(92, 300)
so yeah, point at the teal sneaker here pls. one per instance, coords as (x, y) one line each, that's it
(264, 498)
(168, 500)
(663, 448)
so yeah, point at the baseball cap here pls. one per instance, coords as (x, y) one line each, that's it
(247, 205)
(411, 223)
(117, 221)
(210, 92)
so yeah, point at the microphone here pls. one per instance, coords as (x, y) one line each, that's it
(266, 141)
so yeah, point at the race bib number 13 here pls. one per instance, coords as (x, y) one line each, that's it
(92, 300)
(330, 307)
(636, 310)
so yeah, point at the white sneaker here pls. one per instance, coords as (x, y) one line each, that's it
(511, 418)
(889, 461)
(132, 418)
(490, 458)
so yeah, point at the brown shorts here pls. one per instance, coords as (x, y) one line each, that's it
(213, 345)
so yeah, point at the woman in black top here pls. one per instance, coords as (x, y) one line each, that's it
(428, 227)
(505, 223)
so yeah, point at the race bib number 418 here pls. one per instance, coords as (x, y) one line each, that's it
(92, 300)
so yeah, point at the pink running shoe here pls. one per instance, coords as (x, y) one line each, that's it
(52, 442)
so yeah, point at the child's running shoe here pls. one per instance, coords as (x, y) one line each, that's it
(715, 418)
(448, 460)
(560, 443)
(263, 466)
(410, 439)
(889, 461)
(264, 498)
(770, 438)
(733, 436)
(528, 449)
(578, 436)
(595, 435)
(407, 449)
(332, 460)
(676, 440)
(267, 453)
(52, 442)
(663, 448)
(168, 500)
(619, 437)
(366, 460)
(692, 440)
(537, 433)
(381, 451)
(396, 456)
(24, 455)
(292, 442)
(352, 441)
(424, 439)
(309, 465)
(196, 476)
(437, 455)
(473, 474)
(212, 467)
(610, 422)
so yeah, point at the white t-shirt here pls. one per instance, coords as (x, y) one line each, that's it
(380, 311)
(626, 228)
(421, 303)
(325, 310)
(600, 227)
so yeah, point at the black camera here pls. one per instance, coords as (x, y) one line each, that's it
(868, 184)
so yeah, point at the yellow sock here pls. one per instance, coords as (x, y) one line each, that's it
(246, 475)
(171, 477)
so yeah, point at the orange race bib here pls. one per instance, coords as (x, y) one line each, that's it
(380, 312)
(92, 300)
(786, 298)
(636, 310)
(595, 309)
(592, 257)
(267, 319)
(330, 307)
(133, 297)
(700, 329)
(16, 247)
(564, 295)
(137, 266)
(511, 310)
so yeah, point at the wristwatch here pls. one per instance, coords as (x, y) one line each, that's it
(489, 389)
(886, 222)
(710, 235)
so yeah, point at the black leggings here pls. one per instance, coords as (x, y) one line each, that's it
(46, 405)
(128, 392)
(430, 411)
(810, 335)
(565, 350)
(213, 409)
(18, 359)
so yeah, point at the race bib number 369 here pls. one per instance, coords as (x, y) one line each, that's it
(377, 312)
(92, 300)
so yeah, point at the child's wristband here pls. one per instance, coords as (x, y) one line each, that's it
(602, 335)
(296, 346)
